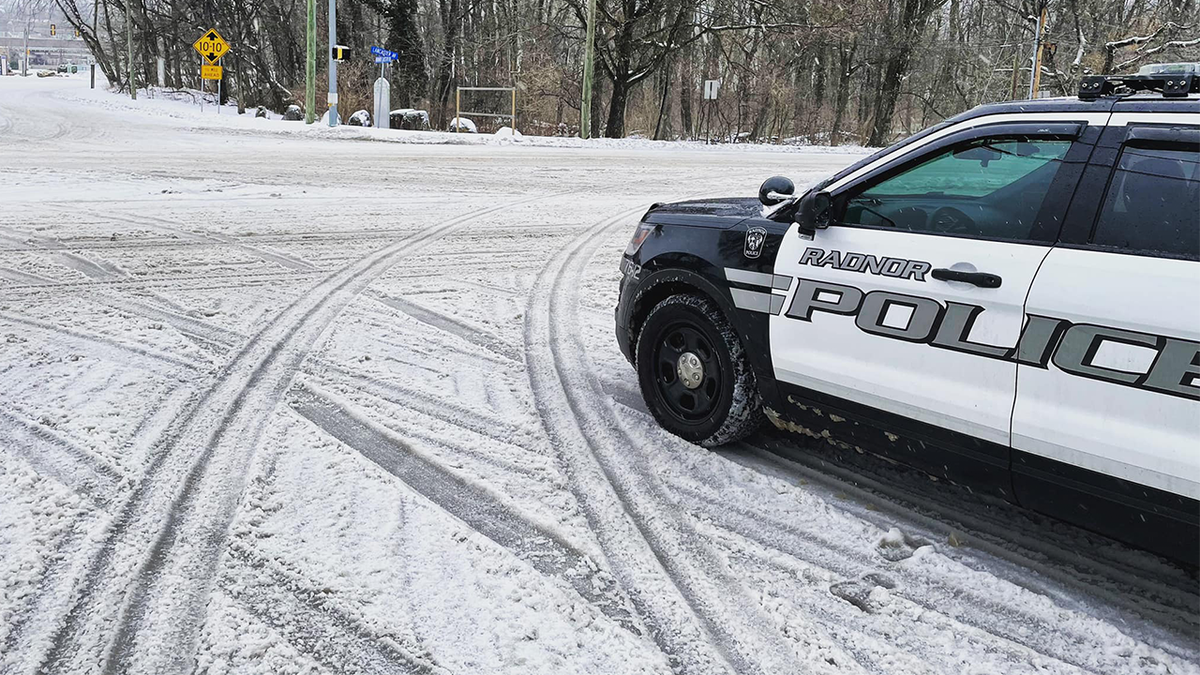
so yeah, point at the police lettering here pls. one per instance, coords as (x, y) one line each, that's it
(1072, 348)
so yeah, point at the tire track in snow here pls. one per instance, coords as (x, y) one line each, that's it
(109, 348)
(1164, 605)
(191, 488)
(957, 597)
(163, 225)
(701, 617)
(309, 615)
(305, 615)
(480, 508)
(481, 422)
(452, 325)
(442, 410)
(24, 278)
(992, 626)
(1169, 604)
(27, 632)
(93, 269)
(79, 470)
(204, 332)
(236, 280)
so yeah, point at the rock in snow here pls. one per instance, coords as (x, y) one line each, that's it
(462, 124)
(410, 119)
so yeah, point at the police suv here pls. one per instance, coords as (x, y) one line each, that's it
(1009, 299)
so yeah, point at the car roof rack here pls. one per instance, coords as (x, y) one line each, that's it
(1170, 85)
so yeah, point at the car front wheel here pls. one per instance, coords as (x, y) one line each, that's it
(693, 373)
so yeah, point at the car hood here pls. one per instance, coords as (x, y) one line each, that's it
(725, 212)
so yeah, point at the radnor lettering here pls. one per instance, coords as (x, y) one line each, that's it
(865, 262)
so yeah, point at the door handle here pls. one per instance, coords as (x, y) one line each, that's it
(981, 279)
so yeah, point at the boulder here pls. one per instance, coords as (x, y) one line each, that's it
(462, 124)
(293, 113)
(410, 119)
(361, 118)
(396, 118)
(260, 111)
(417, 120)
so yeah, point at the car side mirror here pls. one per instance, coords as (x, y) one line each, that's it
(776, 189)
(813, 213)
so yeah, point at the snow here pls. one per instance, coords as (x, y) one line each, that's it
(274, 402)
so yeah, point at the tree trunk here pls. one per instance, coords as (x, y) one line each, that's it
(687, 126)
(616, 108)
(842, 97)
(894, 70)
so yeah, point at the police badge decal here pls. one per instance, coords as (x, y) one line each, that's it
(755, 238)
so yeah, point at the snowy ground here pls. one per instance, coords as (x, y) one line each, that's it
(276, 399)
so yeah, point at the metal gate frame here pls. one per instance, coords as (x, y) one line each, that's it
(459, 112)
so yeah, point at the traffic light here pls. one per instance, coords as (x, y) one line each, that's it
(339, 52)
(53, 30)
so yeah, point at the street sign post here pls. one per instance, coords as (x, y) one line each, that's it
(711, 87)
(211, 47)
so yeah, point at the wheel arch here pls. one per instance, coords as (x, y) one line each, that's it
(689, 274)
(668, 281)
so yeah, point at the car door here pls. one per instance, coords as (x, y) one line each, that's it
(910, 306)
(1107, 416)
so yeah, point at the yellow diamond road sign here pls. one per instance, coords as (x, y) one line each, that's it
(211, 46)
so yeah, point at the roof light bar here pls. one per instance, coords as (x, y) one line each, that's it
(1169, 85)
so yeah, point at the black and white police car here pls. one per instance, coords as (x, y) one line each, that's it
(1009, 299)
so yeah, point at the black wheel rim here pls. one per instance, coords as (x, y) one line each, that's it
(688, 404)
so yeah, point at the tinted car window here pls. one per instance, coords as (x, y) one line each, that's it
(990, 188)
(1153, 203)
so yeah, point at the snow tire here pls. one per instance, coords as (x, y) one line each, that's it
(720, 399)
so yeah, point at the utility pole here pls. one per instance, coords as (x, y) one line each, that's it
(589, 74)
(333, 116)
(310, 68)
(1036, 60)
(129, 44)
(1016, 74)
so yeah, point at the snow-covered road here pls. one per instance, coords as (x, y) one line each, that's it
(289, 400)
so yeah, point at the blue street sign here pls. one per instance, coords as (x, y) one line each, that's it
(384, 53)
(385, 59)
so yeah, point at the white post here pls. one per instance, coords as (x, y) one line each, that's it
(382, 103)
